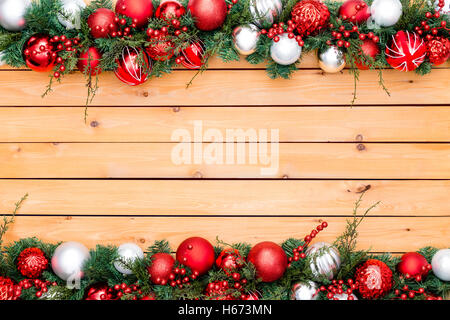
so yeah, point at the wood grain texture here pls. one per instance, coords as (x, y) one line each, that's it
(226, 197)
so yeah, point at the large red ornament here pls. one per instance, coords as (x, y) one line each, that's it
(130, 70)
(160, 267)
(269, 259)
(102, 23)
(169, 9)
(138, 10)
(208, 14)
(310, 16)
(31, 262)
(406, 51)
(374, 278)
(230, 260)
(369, 48)
(150, 296)
(413, 264)
(355, 11)
(99, 291)
(39, 53)
(8, 291)
(196, 253)
(160, 48)
(438, 50)
(193, 55)
(218, 290)
(89, 61)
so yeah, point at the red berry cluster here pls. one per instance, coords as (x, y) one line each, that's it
(340, 287)
(222, 290)
(298, 252)
(280, 28)
(40, 286)
(124, 27)
(64, 44)
(425, 28)
(123, 289)
(340, 35)
(180, 277)
(8, 290)
(418, 278)
(230, 6)
(406, 293)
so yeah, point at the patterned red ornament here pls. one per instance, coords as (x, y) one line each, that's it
(8, 291)
(160, 48)
(138, 10)
(269, 259)
(438, 50)
(31, 262)
(374, 278)
(208, 14)
(406, 51)
(196, 253)
(355, 11)
(160, 267)
(89, 61)
(130, 70)
(193, 55)
(369, 48)
(413, 264)
(99, 291)
(310, 16)
(170, 9)
(230, 260)
(39, 53)
(218, 290)
(102, 23)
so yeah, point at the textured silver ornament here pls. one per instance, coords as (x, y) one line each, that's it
(385, 13)
(71, 13)
(325, 260)
(441, 264)
(286, 51)
(128, 252)
(305, 291)
(68, 260)
(265, 12)
(12, 14)
(245, 39)
(331, 60)
(343, 296)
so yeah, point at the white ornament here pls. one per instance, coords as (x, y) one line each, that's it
(331, 60)
(343, 296)
(71, 11)
(2, 56)
(385, 13)
(265, 12)
(245, 39)
(325, 260)
(305, 291)
(286, 51)
(12, 14)
(128, 252)
(68, 261)
(441, 264)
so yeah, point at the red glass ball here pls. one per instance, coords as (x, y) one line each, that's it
(208, 14)
(229, 260)
(196, 253)
(130, 70)
(39, 53)
(170, 9)
(193, 55)
(369, 48)
(99, 291)
(160, 267)
(356, 11)
(413, 263)
(90, 59)
(139, 10)
(269, 259)
(102, 23)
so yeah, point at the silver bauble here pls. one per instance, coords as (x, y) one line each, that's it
(265, 12)
(68, 260)
(385, 13)
(286, 51)
(245, 39)
(128, 252)
(331, 60)
(12, 14)
(325, 260)
(2, 56)
(441, 264)
(343, 296)
(305, 291)
(71, 10)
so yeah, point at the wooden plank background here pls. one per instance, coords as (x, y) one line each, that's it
(111, 180)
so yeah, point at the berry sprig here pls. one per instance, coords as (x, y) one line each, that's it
(123, 289)
(230, 5)
(426, 29)
(71, 45)
(406, 293)
(340, 287)
(180, 277)
(40, 286)
(341, 35)
(277, 29)
(223, 290)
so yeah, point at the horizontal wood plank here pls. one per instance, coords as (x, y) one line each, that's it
(226, 197)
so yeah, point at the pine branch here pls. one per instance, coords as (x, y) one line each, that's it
(7, 221)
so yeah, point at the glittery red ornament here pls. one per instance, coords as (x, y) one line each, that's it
(150, 296)
(193, 55)
(369, 48)
(219, 290)
(101, 22)
(406, 51)
(170, 9)
(374, 278)
(438, 50)
(196, 253)
(31, 262)
(269, 259)
(208, 14)
(229, 260)
(39, 53)
(160, 48)
(355, 11)
(130, 70)
(138, 10)
(7, 289)
(413, 263)
(99, 291)
(160, 267)
(310, 16)
(89, 61)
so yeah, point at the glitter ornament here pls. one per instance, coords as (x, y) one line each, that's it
(438, 50)
(31, 262)
(310, 16)
(374, 278)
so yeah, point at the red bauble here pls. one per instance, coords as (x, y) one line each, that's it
(193, 55)
(39, 53)
(196, 253)
(150, 296)
(218, 290)
(99, 291)
(31, 262)
(252, 296)
(310, 16)
(160, 267)
(438, 50)
(160, 49)
(355, 11)
(170, 9)
(375, 279)
(414, 264)
(138, 10)
(208, 14)
(369, 48)
(230, 260)
(7, 289)
(101, 22)
(89, 61)
(130, 70)
(406, 51)
(269, 259)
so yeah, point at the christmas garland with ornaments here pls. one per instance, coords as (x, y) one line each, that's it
(140, 39)
(298, 269)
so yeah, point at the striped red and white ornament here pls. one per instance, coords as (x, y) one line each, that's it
(406, 52)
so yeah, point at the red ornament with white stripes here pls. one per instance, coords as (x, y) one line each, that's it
(133, 66)
(406, 52)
